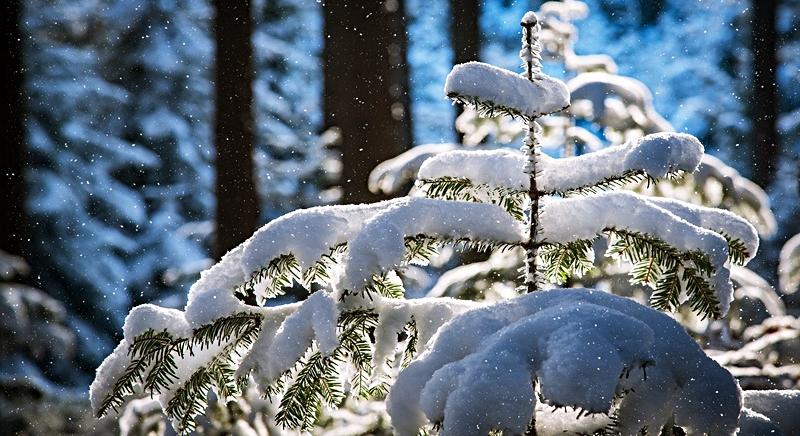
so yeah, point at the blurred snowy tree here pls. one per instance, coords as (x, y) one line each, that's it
(119, 98)
(292, 163)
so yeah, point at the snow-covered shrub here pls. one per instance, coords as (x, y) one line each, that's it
(355, 332)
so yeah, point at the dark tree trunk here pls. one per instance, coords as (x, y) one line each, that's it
(465, 32)
(650, 11)
(764, 98)
(366, 87)
(237, 201)
(12, 160)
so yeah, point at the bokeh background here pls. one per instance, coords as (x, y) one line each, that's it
(143, 139)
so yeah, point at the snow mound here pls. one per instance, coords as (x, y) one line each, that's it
(583, 348)
(498, 87)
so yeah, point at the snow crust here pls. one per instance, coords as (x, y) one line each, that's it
(772, 410)
(490, 355)
(380, 244)
(499, 87)
(656, 154)
(589, 216)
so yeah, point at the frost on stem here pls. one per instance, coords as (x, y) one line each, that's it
(586, 350)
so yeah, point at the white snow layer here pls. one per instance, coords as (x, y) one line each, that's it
(380, 245)
(770, 412)
(656, 155)
(307, 234)
(565, 220)
(499, 87)
(314, 319)
(575, 343)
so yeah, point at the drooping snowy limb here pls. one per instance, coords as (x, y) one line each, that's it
(302, 242)
(638, 101)
(653, 156)
(389, 176)
(162, 355)
(381, 243)
(493, 90)
(789, 266)
(717, 184)
(490, 355)
(666, 249)
(318, 377)
(772, 411)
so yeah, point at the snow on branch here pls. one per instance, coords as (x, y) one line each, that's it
(502, 354)
(493, 90)
(655, 156)
(381, 243)
(564, 221)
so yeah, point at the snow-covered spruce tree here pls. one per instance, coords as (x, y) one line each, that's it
(356, 332)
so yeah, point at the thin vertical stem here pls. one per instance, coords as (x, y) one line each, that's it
(531, 59)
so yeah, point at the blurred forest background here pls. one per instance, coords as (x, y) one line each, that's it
(143, 139)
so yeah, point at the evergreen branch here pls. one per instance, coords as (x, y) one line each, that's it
(320, 272)
(411, 342)
(164, 370)
(701, 297)
(487, 108)
(737, 250)
(283, 271)
(318, 377)
(666, 295)
(561, 261)
(224, 329)
(611, 183)
(387, 285)
(421, 248)
(190, 399)
(462, 189)
(657, 264)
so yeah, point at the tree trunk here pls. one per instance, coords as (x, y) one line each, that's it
(237, 201)
(366, 87)
(14, 152)
(465, 32)
(764, 98)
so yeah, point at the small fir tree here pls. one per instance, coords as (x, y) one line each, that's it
(534, 356)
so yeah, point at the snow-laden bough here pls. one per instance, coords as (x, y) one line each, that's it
(577, 348)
